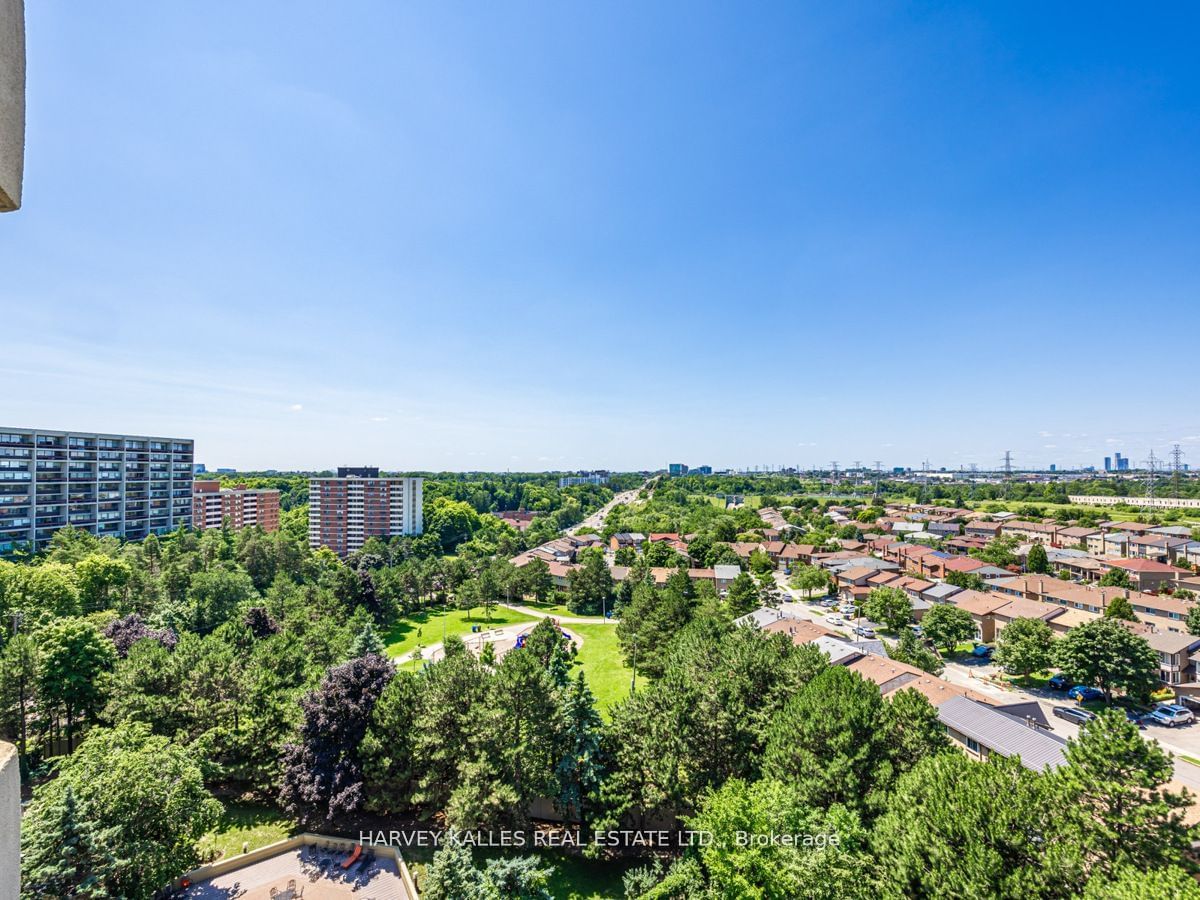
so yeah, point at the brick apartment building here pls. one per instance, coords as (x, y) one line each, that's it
(357, 504)
(241, 505)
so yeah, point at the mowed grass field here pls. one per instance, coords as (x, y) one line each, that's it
(252, 825)
(425, 628)
(600, 658)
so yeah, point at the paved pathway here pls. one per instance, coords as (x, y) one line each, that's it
(504, 637)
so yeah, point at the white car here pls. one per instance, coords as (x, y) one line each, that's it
(835, 619)
(846, 609)
(1171, 714)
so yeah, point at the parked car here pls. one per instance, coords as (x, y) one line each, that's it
(1136, 718)
(916, 630)
(864, 632)
(1171, 714)
(829, 602)
(1074, 714)
(847, 609)
(983, 651)
(1058, 682)
(835, 619)
(1082, 693)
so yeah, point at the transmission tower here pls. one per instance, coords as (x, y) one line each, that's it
(1152, 463)
(1177, 470)
(1007, 472)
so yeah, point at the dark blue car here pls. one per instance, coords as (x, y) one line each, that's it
(1058, 683)
(1083, 693)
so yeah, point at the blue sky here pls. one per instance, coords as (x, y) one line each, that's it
(539, 236)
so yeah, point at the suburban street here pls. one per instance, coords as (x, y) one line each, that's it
(1179, 741)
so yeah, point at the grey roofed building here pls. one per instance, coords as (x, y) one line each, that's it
(876, 647)
(761, 617)
(1173, 531)
(838, 651)
(1003, 734)
(939, 593)
(986, 572)
(726, 572)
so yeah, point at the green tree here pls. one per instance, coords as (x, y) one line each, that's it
(215, 595)
(145, 794)
(590, 587)
(947, 625)
(1193, 619)
(1132, 883)
(910, 649)
(452, 875)
(18, 675)
(957, 827)
(890, 606)
(67, 855)
(1115, 783)
(736, 868)
(1104, 653)
(1037, 561)
(742, 596)
(829, 740)
(537, 579)
(809, 579)
(100, 579)
(1116, 577)
(72, 672)
(1025, 646)
(1120, 608)
(966, 580)
(580, 766)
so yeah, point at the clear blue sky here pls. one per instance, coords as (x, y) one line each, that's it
(554, 235)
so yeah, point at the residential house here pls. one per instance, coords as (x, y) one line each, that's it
(1175, 656)
(1075, 536)
(632, 539)
(981, 731)
(1041, 532)
(1160, 547)
(1148, 574)
(982, 529)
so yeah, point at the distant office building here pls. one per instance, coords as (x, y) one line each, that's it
(226, 471)
(597, 477)
(242, 506)
(1053, 467)
(108, 484)
(703, 470)
(199, 469)
(357, 504)
(676, 469)
(1122, 462)
(1108, 464)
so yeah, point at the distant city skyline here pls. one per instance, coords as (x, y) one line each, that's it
(428, 236)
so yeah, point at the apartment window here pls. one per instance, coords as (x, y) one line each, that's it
(973, 745)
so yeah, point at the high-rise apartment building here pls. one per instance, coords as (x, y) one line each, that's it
(357, 504)
(108, 484)
(242, 506)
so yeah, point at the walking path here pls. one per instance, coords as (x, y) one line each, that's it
(504, 639)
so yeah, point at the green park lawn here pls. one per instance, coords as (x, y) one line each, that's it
(600, 658)
(425, 627)
(250, 824)
(555, 609)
